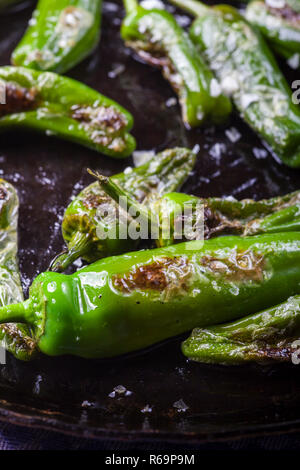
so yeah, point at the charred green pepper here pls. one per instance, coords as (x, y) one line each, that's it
(128, 302)
(165, 172)
(15, 337)
(55, 105)
(248, 72)
(267, 336)
(279, 24)
(61, 33)
(211, 217)
(159, 40)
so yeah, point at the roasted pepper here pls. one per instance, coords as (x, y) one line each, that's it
(160, 41)
(211, 217)
(61, 33)
(128, 302)
(15, 337)
(279, 24)
(55, 105)
(248, 72)
(267, 336)
(165, 172)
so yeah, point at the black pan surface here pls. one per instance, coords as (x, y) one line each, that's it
(167, 397)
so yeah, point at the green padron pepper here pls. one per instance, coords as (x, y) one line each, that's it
(279, 23)
(165, 172)
(60, 106)
(157, 38)
(268, 336)
(61, 33)
(14, 337)
(210, 217)
(249, 74)
(129, 302)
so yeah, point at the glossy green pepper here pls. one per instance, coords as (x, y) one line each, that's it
(212, 216)
(61, 33)
(165, 172)
(129, 302)
(267, 336)
(280, 26)
(15, 338)
(158, 39)
(60, 106)
(248, 72)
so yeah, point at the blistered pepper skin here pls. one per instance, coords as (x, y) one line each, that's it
(15, 338)
(182, 217)
(246, 68)
(158, 39)
(272, 335)
(126, 303)
(165, 172)
(280, 26)
(59, 106)
(230, 216)
(60, 34)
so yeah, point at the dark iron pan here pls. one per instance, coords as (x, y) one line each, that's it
(72, 395)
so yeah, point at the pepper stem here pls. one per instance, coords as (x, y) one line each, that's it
(191, 6)
(121, 196)
(77, 247)
(15, 313)
(130, 5)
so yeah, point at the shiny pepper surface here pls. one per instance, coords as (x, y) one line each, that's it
(61, 33)
(62, 107)
(157, 38)
(249, 74)
(126, 303)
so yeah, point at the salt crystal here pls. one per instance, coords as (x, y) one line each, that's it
(233, 134)
(140, 157)
(171, 102)
(215, 88)
(260, 153)
(151, 4)
(180, 406)
(117, 70)
(217, 150)
(147, 409)
(294, 61)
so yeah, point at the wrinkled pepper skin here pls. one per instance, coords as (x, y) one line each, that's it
(280, 26)
(230, 216)
(165, 172)
(212, 216)
(61, 33)
(272, 335)
(158, 39)
(248, 72)
(15, 337)
(56, 105)
(129, 302)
